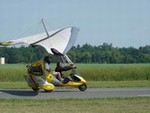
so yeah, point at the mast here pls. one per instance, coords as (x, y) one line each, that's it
(45, 27)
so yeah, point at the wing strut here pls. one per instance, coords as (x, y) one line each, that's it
(45, 28)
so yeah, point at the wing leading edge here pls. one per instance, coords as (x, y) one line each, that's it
(61, 39)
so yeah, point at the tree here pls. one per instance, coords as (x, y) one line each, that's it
(86, 53)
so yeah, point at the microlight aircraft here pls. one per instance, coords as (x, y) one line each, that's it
(58, 43)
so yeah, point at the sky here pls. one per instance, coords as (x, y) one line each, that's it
(124, 23)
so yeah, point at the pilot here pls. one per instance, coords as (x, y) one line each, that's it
(47, 61)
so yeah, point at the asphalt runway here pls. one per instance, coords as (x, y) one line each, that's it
(75, 93)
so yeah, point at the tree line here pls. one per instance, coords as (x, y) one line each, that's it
(86, 53)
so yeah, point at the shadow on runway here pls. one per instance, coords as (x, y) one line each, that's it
(66, 90)
(25, 93)
(59, 91)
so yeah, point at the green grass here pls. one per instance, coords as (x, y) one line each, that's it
(91, 72)
(120, 84)
(12, 72)
(115, 72)
(90, 84)
(109, 105)
(13, 85)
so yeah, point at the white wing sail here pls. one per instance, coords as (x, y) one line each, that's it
(60, 39)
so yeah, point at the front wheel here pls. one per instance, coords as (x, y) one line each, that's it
(82, 87)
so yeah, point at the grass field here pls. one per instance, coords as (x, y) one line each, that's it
(115, 72)
(109, 105)
(97, 76)
(91, 72)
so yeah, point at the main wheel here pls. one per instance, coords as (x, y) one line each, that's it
(82, 87)
(48, 91)
(35, 89)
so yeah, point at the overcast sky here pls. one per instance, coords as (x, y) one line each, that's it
(123, 23)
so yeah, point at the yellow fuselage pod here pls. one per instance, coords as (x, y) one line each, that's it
(41, 81)
(76, 84)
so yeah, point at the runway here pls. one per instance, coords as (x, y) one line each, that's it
(75, 93)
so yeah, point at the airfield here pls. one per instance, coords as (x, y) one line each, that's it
(74, 93)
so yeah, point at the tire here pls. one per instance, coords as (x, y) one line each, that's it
(48, 91)
(82, 87)
(35, 89)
